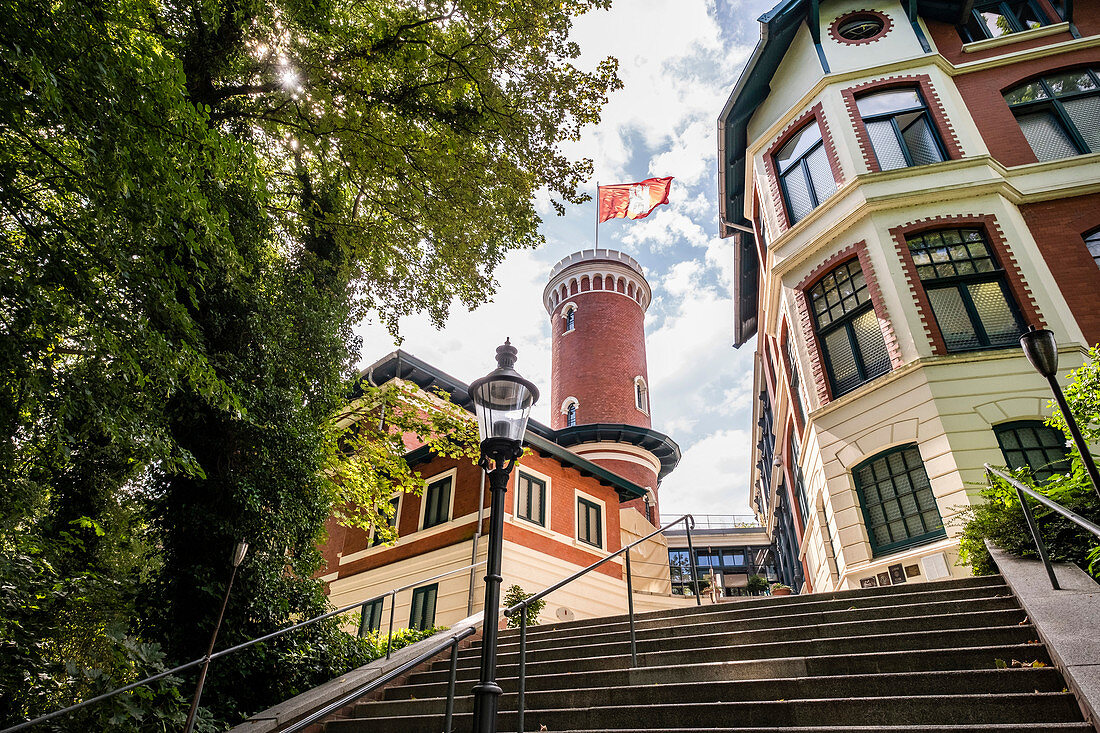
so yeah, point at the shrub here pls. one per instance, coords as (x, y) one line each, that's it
(515, 594)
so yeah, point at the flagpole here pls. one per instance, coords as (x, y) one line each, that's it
(597, 245)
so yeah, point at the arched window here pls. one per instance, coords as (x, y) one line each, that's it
(1059, 114)
(804, 172)
(570, 316)
(847, 328)
(641, 395)
(897, 501)
(967, 288)
(1035, 445)
(571, 414)
(900, 129)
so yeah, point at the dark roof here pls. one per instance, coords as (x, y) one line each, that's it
(777, 30)
(542, 439)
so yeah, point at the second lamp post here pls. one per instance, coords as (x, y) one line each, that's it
(502, 401)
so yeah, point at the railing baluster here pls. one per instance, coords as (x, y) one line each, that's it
(451, 687)
(630, 610)
(1039, 544)
(393, 605)
(522, 682)
(689, 524)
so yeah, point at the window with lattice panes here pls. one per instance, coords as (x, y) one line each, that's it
(967, 289)
(1059, 114)
(900, 128)
(805, 175)
(897, 501)
(1035, 445)
(847, 328)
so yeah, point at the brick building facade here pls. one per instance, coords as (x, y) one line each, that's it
(908, 185)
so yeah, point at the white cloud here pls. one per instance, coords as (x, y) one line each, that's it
(712, 477)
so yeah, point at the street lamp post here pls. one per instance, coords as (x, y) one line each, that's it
(1042, 351)
(238, 557)
(503, 401)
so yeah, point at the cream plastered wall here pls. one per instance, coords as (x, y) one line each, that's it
(649, 560)
(947, 407)
(899, 42)
(451, 598)
(796, 75)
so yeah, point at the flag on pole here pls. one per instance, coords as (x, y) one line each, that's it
(633, 200)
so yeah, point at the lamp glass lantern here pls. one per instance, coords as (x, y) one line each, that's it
(503, 399)
(1041, 349)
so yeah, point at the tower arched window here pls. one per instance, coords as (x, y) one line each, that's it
(641, 395)
(571, 414)
(570, 317)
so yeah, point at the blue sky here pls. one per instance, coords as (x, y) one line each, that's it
(678, 60)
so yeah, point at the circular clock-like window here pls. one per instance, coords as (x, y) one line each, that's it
(862, 26)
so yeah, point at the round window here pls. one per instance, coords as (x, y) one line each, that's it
(860, 27)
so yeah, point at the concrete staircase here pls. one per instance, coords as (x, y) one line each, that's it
(925, 658)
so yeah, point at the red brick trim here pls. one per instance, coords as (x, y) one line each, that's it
(1025, 301)
(814, 113)
(817, 356)
(931, 98)
(834, 27)
(785, 335)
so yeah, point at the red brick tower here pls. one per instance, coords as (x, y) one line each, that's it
(599, 392)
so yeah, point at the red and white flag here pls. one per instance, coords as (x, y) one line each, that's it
(633, 200)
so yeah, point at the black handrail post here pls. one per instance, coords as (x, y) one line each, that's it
(393, 605)
(451, 687)
(522, 682)
(689, 524)
(1033, 526)
(630, 610)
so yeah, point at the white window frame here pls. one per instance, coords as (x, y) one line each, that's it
(640, 380)
(546, 501)
(452, 473)
(569, 307)
(565, 406)
(577, 495)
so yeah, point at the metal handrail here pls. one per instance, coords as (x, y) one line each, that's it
(244, 645)
(689, 524)
(1046, 501)
(373, 685)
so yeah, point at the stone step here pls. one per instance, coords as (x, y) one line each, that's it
(720, 649)
(990, 681)
(685, 667)
(930, 710)
(791, 629)
(898, 594)
(736, 612)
